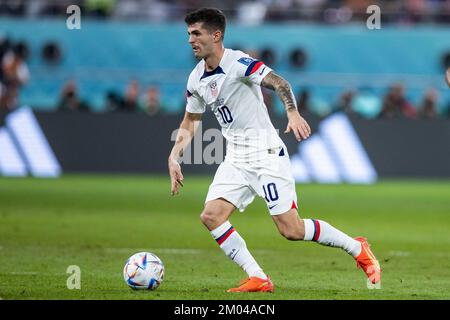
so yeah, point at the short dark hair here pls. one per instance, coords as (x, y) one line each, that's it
(213, 19)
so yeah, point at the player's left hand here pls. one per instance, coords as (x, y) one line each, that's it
(298, 126)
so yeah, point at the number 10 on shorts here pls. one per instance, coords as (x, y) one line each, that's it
(270, 192)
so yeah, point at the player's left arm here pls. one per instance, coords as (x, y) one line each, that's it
(297, 124)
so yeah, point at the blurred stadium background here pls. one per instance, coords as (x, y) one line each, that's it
(130, 60)
(106, 98)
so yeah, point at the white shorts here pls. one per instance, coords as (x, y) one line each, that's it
(270, 178)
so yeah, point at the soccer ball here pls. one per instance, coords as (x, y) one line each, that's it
(143, 271)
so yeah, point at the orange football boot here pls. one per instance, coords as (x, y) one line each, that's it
(254, 284)
(368, 262)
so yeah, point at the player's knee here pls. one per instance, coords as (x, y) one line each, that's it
(208, 218)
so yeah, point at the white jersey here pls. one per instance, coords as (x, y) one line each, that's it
(232, 91)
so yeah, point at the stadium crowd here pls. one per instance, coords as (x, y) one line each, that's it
(362, 102)
(146, 98)
(393, 102)
(250, 11)
(14, 72)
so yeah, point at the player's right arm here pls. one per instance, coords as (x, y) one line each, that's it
(195, 107)
(186, 132)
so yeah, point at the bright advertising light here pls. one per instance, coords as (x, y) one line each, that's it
(333, 155)
(299, 169)
(32, 143)
(11, 164)
(345, 146)
(318, 161)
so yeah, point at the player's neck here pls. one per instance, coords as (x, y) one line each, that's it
(212, 61)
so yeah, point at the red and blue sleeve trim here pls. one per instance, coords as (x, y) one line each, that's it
(253, 67)
(188, 94)
(225, 236)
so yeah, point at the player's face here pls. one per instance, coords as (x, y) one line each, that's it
(201, 40)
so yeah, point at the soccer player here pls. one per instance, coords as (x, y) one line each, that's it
(257, 162)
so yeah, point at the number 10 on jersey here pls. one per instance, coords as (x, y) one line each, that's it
(270, 192)
(225, 113)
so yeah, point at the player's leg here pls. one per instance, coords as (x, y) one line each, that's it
(278, 188)
(215, 217)
(228, 192)
(292, 227)
(216, 213)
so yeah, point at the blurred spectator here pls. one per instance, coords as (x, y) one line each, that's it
(54, 8)
(128, 9)
(443, 12)
(69, 98)
(114, 101)
(396, 105)
(15, 74)
(5, 46)
(428, 107)
(311, 10)
(254, 53)
(12, 8)
(320, 106)
(415, 11)
(358, 8)
(303, 102)
(366, 104)
(251, 13)
(344, 102)
(281, 10)
(247, 12)
(268, 55)
(131, 98)
(151, 103)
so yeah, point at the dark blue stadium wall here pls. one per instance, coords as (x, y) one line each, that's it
(140, 144)
(133, 143)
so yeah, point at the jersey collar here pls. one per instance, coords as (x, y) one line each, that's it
(217, 70)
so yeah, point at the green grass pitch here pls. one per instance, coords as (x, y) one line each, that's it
(97, 222)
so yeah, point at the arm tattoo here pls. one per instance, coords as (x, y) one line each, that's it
(282, 88)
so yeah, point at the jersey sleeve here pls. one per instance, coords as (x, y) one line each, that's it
(194, 102)
(252, 69)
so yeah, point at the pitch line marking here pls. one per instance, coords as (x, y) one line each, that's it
(160, 250)
(399, 253)
(23, 273)
(174, 250)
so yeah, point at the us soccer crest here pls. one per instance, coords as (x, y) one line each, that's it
(213, 86)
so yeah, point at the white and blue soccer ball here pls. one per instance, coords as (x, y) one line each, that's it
(143, 271)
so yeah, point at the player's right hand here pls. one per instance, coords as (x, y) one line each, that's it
(298, 125)
(176, 177)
